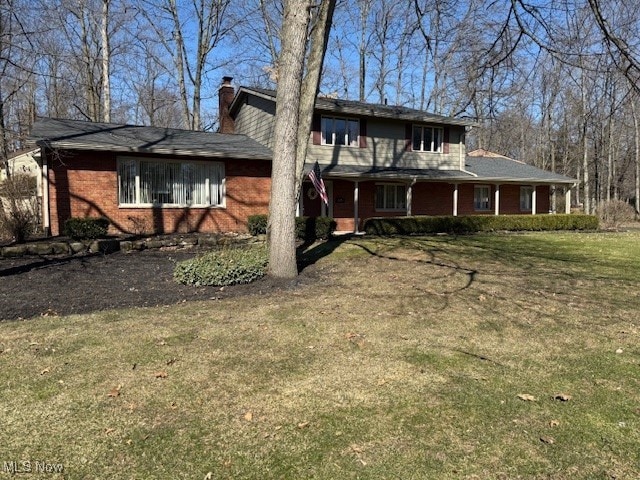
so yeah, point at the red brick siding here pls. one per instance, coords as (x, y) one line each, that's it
(543, 199)
(85, 184)
(432, 199)
(509, 200)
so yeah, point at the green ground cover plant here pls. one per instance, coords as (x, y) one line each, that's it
(484, 356)
(227, 266)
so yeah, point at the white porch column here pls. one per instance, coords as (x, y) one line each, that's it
(496, 200)
(534, 198)
(356, 188)
(455, 199)
(567, 199)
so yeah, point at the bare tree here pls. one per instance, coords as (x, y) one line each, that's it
(106, 56)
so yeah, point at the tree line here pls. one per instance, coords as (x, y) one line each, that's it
(551, 82)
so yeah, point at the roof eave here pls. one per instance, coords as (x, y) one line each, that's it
(369, 112)
(155, 151)
(526, 180)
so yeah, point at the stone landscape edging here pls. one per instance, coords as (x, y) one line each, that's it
(110, 245)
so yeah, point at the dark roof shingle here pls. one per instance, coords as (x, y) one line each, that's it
(506, 169)
(353, 107)
(81, 135)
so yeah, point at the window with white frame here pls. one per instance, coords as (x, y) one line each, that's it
(391, 196)
(526, 198)
(482, 197)
(340, 131)
(427, 139)
(152, 182)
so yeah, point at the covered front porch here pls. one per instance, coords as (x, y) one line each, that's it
(351, 201)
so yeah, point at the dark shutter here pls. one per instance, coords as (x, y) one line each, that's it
(316, 125)
(445, 141)
(408, 134)
(363, 133)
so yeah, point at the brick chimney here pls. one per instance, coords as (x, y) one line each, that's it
(225, 95)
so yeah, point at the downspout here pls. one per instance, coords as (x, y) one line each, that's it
(46, 214)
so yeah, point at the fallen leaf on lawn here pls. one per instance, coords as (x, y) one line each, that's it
(46, 370)
(554, 423)
(129, 442)
(115, 391)
(381, 382)
(109, 430)
(563, 397)
(161, 374)
(303, 424)
(619, 351)
(248, 416)
(208, 476)
(172, 361)
(162, 343)
(547, 440)
(526, 397)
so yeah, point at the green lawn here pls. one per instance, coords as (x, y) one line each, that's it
(399, 358)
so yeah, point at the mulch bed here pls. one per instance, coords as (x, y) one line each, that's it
(32, 287)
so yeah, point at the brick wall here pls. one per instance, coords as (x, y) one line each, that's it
(84, 184)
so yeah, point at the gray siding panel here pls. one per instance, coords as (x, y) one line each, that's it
(256, 120)
(386, 148)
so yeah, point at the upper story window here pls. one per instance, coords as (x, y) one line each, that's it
(340, 131)
(150, 182)
(427, 139)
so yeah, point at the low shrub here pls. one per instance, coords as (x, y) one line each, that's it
(228, 266)
(470, 224)
(307, 228)
(257, 224)
(310, 229)
(86, 228)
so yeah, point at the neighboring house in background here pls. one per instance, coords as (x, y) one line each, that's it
(23, 161)
(376, 160)
(26, 162)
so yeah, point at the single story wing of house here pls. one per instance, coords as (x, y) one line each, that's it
(376, 160)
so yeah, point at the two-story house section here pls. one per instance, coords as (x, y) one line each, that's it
(381, 160)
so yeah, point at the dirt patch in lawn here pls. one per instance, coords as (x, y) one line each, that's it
(32, 287)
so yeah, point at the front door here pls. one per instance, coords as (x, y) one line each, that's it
(312, 204)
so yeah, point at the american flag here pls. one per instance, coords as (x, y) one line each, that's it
(318, 183)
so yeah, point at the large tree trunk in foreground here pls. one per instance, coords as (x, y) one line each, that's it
(282, 207)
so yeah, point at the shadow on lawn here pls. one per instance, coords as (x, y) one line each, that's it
(431, 252)
(308, 256)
